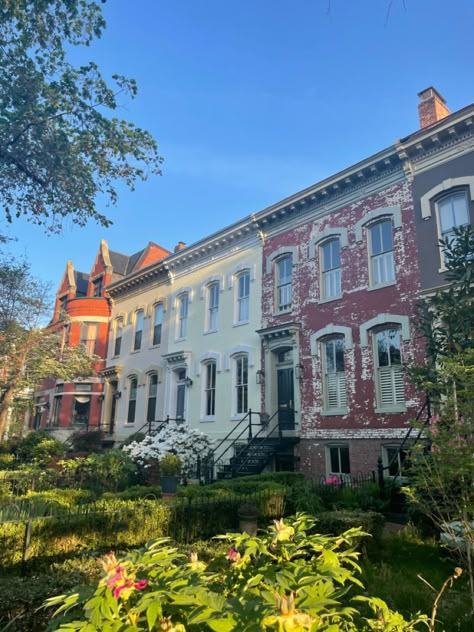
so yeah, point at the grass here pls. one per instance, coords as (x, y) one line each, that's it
(392, 572)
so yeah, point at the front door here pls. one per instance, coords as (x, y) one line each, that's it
(286, 399)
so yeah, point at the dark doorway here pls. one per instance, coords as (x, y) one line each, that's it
(286, 399)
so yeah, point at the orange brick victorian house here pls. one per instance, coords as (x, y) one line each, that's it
(81, 315)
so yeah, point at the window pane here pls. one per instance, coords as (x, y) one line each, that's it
(345, 465)
(157, 324)
(376, 239)
(334, 452)
(137, 343)
(210, 389)
(453, 211)
(386, 230)
(243, 297)
(118, 337)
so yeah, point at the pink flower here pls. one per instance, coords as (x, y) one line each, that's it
(141, 584)
(233, 555)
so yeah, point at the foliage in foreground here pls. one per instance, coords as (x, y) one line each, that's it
(288, 579)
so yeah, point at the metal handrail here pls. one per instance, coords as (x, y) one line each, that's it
(381, 468)
(161, 422)
(257, 436)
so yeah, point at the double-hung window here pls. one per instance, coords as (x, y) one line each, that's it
(334, 375)
(338, 457)
(330, 257)
(183, 310)
(241, 384)
(382, 268)
(132, 399)
(210, 390)
(137, 338)
(152, 393)
(284, 272)
(389, 378)
(118, 336)
(157, 324)
(212, 306)
(89, 337)
(243, 297)
(453, 211)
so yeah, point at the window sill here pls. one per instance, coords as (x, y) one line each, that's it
(392, 409)
(205, 420)
(282, 311)
(380, 286)
(157, 346)
(180, 339)
(135, 351)
(210, 331)
(243, 322)
(335, 412)
(129, 425)
(238, 417)
(330, 299)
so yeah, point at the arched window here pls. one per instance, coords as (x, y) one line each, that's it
(330, 264)
(241, 384)
(183, 311)
(453, 211)
(242, 310)
(382, 268)
(284, 283)
(137, 338)
(209, 392)
(334, 375)
(157, 323)
(152, 395)
(118, 336)
(389, 371)
(212, 299)
(132, 399)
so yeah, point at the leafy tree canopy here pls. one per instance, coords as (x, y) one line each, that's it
(58, 148)
(29, 352)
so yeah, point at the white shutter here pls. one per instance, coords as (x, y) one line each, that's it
(391, 386)
(336, 390)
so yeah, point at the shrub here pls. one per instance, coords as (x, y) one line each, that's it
(289, 578)
(87, 441)
(134, 492)
(39, 448)
(110, 471)
(336, 522)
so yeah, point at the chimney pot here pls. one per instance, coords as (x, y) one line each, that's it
(432, 107)
(179, 246)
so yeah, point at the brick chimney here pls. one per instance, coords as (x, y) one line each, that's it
(179, 246)
(432, 107)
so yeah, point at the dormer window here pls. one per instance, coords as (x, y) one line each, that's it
(97, 285)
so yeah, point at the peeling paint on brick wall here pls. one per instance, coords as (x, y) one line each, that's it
(358, 304)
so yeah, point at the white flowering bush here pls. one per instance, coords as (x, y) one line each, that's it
(173, 438)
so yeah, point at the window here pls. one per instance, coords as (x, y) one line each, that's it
(137, 339)
(180, 393)
(382, 268)
(62, 303)
(57, 405)
(212, 306)
(453, 211)
(118, 336)
(81, 408)
(243, 297)
(338, 457)
(284, 283)
(89, 337)
(152, 392)
(132, 399)
(157, 324)
(334, 375)
(241, 384)
(210, 390)
(183, 307)
(394, 459)
(330, 258)
(390, 384)
(97, 286)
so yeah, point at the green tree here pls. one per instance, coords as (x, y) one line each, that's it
(29, 352)
(58, 147)
(442, 480)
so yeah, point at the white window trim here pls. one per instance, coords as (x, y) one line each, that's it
(386, 447)
(243, 267)
(331, 330)
(152, 325)
(176, 307)
(238, 350)
(129, 378)
(203, 368)
(236, 276)
(139, 308)
(384, 319)
(325, 235)
(444, 187)
(327, 451)
(207, 357)
(319, 246)
(279, 253)
(235, 416)
(183, 290)
(207, 295)
(215, 278)
(370, 257)
(393, 212)
(442, 267)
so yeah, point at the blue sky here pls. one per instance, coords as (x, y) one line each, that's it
(252, 100)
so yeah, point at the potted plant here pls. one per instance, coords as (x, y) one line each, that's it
(248, 517)
(170, 470)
